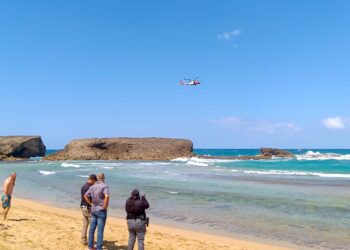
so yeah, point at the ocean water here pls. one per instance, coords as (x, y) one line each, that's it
(303, 201)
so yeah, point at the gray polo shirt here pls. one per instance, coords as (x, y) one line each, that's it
(97, 193)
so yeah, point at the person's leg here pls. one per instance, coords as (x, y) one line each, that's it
(86, 221)
(6, 211)
(101, 221)
(140, 233)
(132, 234)
(92, 230)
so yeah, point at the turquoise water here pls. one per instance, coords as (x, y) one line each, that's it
(304, 201)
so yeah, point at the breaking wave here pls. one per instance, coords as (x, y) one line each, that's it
(108, 167)
(182, 159)
(70, 165)
(311, 155)
(202, 160)
(295, 173)
(195, 163)
(154, 163)
(46, 172)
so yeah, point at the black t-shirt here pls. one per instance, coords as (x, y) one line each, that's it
(84, 189)
(136, 207)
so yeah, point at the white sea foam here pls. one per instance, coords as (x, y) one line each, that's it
(201, 164)
(297, 173)
(172, 192)
(108, 167)
(101, 163)
(311, 155)
(182, 159)
(46, 172)
(84, 176)
(155, 163)
(196, 159)
(70, 165)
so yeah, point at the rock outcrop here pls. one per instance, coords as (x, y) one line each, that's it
(124, 149)
(276, 152)
(21, 147)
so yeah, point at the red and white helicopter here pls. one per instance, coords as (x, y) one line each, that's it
(190, 82)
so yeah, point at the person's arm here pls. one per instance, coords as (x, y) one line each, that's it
(87, 196)
(145, 204)
(5, 189)
(106, 199)
(106, 202)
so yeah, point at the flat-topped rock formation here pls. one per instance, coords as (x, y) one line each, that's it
(124, 149)
(276, 153)
(21, 147)
(265, 154)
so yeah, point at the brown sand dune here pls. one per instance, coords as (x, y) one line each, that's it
(33, 225)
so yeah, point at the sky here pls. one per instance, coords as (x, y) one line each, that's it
(273, 73)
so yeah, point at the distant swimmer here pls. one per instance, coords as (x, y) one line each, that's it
(7, 190)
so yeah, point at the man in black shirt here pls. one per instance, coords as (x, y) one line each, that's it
(86, 208)
(136, 217)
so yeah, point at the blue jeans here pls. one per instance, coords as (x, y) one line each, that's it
(98, 219)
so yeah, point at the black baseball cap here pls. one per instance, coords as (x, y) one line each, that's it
(93, 177)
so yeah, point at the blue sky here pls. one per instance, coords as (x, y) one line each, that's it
(273, 73)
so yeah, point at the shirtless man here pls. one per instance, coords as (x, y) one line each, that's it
(7, 190)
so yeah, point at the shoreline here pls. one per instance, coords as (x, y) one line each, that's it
(60, 227)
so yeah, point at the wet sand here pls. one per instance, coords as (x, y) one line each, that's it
(33, 225)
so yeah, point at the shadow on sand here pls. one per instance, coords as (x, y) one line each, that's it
(112, 245)
(20, 220)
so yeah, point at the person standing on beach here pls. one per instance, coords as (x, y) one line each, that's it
(136, 218)
(86, 208)
(98, 198)
(7, 190)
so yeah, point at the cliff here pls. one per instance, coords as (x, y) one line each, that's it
(124, 149)
(21, 147)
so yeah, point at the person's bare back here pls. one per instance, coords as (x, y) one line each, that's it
(7, 187)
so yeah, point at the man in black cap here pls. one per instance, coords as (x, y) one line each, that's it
(86, 208)
(136, 217)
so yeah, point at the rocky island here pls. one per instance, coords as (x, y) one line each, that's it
(21, 147)
(124, 149)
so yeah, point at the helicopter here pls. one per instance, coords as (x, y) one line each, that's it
(190, 82)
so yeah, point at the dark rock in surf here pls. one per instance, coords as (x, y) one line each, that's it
(276, 153)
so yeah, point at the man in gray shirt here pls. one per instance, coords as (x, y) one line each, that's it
(99, 200)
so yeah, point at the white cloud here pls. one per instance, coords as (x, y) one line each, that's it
(334, 122)
(230, 34)
(261, 126)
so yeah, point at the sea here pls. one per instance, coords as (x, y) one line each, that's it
(303, 201)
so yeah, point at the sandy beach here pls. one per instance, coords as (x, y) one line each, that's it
(33, 225)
